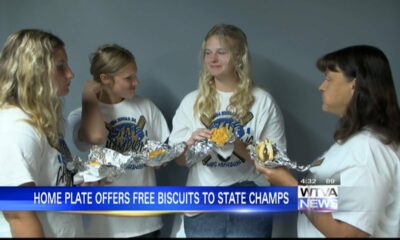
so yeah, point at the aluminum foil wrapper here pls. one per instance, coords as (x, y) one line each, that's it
(202, 148)
(198, 151)
(101, 163)
(156, 153)
(280, 159)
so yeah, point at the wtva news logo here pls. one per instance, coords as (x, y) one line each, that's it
(318, 198)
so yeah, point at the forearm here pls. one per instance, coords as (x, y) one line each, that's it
(24, 224)
(92, 128)
(240, 149)
(181, 160)
(331, 227)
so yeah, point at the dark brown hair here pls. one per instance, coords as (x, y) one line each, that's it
(374, 102)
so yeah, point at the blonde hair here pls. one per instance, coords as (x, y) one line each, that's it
(242, 99)
(27, 71)
(109, 59)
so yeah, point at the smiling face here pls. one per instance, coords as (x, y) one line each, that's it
(63, 73)
(218, 58)
(123, 84)
(337, 92)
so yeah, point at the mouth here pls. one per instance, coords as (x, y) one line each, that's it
(214, 66)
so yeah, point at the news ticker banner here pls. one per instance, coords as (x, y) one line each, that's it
(171, 199)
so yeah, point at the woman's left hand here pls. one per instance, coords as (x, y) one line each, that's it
(279, 176)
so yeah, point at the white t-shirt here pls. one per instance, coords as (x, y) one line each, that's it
(264, 121)
(26, 156)
(130, 124)
(369, 191)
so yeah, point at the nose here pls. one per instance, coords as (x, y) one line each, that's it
(322, 86)
(214, 57)
(135, 82)
(69, 74)
(211, 57)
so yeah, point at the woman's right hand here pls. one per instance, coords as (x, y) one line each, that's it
(199, 134)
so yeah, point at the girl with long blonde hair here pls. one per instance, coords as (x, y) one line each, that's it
(113, 116)
(227, 98)
(34, 74)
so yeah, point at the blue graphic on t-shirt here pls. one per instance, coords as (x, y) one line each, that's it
(227, 119)
(65, 155)
(64, 176)
(127, 134)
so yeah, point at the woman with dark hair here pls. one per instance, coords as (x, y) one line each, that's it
(359, 89)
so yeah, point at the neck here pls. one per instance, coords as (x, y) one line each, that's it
(226, 84)
(107, 97)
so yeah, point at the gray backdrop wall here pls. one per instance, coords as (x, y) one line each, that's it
(285, 38)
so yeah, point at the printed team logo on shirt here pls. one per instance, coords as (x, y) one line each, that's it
(127, 134)
(64, 176)
(229, 120)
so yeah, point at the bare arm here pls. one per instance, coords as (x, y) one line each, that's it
(24, 223)
(241, 149)
(181, 160)
(93, 129)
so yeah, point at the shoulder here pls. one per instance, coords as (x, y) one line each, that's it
(364, 138)
(75, 113)
(188, 100)
(263, 99)
(139, 101)
(368, 144)
(261, 94)
(14, 125)
(190, 97)
(15, 120)
(143, 103)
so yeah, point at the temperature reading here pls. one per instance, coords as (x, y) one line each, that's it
(330, 181)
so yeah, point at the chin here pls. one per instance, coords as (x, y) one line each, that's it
(63, 93)
(215, 74)
(130, 96)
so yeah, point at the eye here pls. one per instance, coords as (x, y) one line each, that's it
(222, 51)
(61, 67)
(130, 78)
(207, 52)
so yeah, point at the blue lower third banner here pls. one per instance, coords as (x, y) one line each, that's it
(160, 198)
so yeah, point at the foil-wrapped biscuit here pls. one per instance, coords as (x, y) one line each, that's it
(156, 153)
(265, 150)
(268, 154)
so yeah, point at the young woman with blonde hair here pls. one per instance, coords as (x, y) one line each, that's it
(227, 97)
(113, 116)
(34, 74)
